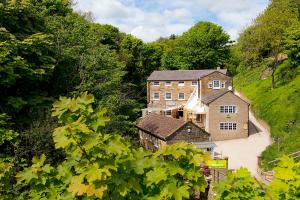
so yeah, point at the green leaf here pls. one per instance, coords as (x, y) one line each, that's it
(24, 177)
(156, 175)
(61, 138)
(182, 192)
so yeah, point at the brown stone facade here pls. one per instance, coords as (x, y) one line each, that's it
(149, 141)
(174, 89)
(204, 90)
(194, 134)
(214, 89)
(188, 133)
(215, 117)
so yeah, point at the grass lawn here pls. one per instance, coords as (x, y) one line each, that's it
(280, 108)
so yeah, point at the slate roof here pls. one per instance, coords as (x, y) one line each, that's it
(159, 125)
(207, 99)
(181, 75)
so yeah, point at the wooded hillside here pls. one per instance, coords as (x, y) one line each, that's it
(268, 73)
(71, 89)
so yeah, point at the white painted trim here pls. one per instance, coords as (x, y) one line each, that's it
(181, 84)
(156, 85)
(213, 82)
(194, 85)
(183, 96)
(166, 96)
(154, 96)
(236, 126)
(236, 109)
(168, 84)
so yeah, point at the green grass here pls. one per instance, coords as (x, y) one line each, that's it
(280, 108)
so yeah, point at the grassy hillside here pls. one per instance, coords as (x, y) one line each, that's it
(280, 108)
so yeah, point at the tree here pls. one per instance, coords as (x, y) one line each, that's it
(292, 44)
(286, 183)
(205, 45)
(241, 185)
(264, 38)
(104, 165)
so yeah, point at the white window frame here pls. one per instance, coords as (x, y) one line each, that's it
(228, 126)
(214, 87)
(179, 96)
(228, 109)
(168, 83)
(180, 83)
(156, 84)
(155, 97)
(194, 82)
(168, 112)
(210, 84)
(166, 96)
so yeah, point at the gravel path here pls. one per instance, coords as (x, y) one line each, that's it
(244, 152)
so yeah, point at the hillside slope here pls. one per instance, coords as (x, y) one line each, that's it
(280, 108)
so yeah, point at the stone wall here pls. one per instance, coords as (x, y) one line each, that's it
(214, 76)
(149, 141)
(175, 89)
(241, 118)
(196, 134)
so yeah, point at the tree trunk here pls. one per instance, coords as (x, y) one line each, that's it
(273, 79)
(274, 69)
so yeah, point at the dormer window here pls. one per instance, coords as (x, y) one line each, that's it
(156, 83)
(168, 83)
(216, 84)
(181, 83)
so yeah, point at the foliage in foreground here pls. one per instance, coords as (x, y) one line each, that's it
(240, 185)
(101, 165)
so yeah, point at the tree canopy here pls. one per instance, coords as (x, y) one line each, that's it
(203, 46)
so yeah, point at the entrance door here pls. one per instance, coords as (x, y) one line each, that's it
(180, 113)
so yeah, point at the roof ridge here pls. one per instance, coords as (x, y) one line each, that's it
(182, 74)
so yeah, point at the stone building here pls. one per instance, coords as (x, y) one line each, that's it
(156, 130)
(204, 97)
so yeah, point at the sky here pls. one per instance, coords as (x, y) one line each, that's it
(151, 19)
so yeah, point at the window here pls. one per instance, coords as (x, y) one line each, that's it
(156, 83)
(181, 96)
(194, 83)
(181, 83)
(210, 85)
(168, 83)
(227, 109)
(168, 112)
(216, 84)
(228, 126)
(223, 85)
(168, 96)
(156, 96)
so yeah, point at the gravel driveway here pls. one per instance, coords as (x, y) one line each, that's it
(244, 152)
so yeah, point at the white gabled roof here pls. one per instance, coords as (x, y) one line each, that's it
(194, 103)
